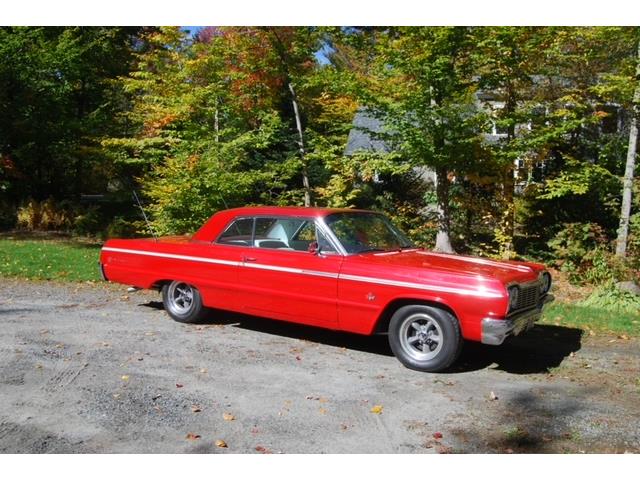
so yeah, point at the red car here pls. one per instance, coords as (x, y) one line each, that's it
(341, 269)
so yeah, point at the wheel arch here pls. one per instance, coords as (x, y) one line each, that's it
(382, 323)
(158, 284)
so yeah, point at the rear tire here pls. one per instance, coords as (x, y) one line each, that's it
(425, 338)
(183, 302)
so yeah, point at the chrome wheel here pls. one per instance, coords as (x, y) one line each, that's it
(421, 336)
(180, 298)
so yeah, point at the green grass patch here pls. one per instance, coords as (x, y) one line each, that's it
(587, 318)
(60, 259)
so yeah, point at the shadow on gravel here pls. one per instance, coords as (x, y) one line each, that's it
(376, 344)
(528, 422)
(542, 348)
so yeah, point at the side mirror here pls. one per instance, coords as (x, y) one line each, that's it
(314, 249)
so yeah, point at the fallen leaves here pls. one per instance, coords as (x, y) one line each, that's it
(228, 417)
(443, 449)
(377, 409)
(179, 385)
(624, 336)
(493, 396)
(193, 436)
(221, 444)
(262, 449)
(196, 408)
(437, 435)
(124, 378)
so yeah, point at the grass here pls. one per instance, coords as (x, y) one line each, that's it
(49, 259)
(591, 319)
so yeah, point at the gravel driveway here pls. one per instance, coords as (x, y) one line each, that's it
(89, 368)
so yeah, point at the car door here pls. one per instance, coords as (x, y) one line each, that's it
(279, 277)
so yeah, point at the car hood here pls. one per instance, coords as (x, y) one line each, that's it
(505, 271)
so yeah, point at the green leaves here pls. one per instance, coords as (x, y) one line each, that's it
(579, 179)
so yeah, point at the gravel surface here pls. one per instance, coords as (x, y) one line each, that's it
(90, 368)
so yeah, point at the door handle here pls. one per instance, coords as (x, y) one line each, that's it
(249, 259)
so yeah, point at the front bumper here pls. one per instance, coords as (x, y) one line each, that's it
(494, 330)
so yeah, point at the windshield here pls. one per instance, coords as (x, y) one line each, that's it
(360, 232)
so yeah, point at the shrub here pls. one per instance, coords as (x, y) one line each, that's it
(610, 298)
(583, 251)
(122, 227)
(47, 215)
(88, 222)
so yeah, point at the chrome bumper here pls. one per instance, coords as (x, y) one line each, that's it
(102, 274)
(494, 330)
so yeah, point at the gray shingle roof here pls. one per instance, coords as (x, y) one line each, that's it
(363, 134)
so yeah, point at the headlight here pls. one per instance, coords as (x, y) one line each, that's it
(514, 293)
(545, 282)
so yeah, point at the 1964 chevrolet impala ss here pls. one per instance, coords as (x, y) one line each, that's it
(342, 269)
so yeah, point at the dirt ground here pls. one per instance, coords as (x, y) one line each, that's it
(89, 368)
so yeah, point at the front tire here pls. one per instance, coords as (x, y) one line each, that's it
(425, 338)
(183, 302)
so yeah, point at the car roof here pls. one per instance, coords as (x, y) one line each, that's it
(297, 211)
(213, 227)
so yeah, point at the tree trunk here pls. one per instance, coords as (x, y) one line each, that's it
(443, 241)
(625, 213)
(508, 221)
(305, 169)
(509, 182)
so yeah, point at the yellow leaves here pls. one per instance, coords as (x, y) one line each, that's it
(124, 378)
(221, 444)
(228, 417)
(377, 409)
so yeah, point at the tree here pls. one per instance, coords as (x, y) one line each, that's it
(623, 232)
(428, 105)
(58, 98)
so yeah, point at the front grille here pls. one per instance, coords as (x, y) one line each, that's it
(528, 297)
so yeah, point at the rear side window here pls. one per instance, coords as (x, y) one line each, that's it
(277, 232)
(239, 232)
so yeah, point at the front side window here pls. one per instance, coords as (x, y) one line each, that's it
(360, 232)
